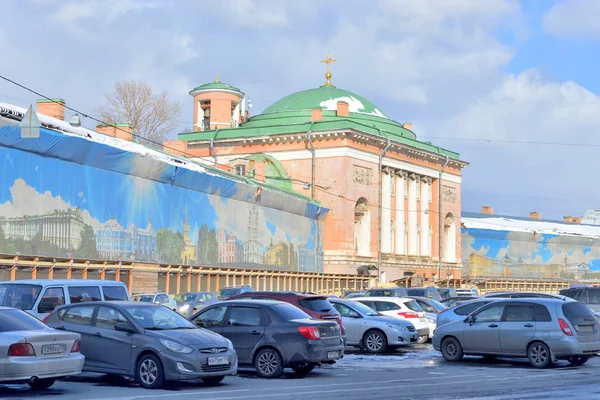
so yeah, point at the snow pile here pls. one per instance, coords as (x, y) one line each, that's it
(354, 105)
(417, 358)
(67, 129)
(517, 225)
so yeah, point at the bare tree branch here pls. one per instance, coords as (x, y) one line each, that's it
(152, 115)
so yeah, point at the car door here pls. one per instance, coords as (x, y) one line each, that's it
(352, 321)
(52, 297)
(110, 349)
(244, 326)
(211, 318)
(517, 328)
(79, 319)
(482, 333)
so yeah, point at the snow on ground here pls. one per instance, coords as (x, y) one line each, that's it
(404, 358)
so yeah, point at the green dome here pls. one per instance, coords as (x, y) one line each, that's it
(216, 85)
(325, 97)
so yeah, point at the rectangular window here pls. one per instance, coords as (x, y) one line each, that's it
(244, 316)
(114, 293)
(79, 315)
(52, 298)
(240, 170)
(520, 313)
(80, 294)
(108, 317)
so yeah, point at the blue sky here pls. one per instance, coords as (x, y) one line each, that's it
(474, 76)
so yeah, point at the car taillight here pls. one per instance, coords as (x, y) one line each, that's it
(76, 346)
(340, 323)
(21, 350)
(310, 332)
(565, 327)
(408, 314)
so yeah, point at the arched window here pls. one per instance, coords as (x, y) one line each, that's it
(449, 238)
(362, 228)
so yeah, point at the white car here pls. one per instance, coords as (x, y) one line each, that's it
(156, 298)
(403, 308)
(467, 292)
(31, 352)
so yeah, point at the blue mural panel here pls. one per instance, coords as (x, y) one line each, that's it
(67, 196)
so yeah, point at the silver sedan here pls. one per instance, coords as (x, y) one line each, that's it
(32, 352)
(371, 331)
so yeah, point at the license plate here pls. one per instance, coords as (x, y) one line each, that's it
(54, 349)
(333, 354)
(218, 360)
(586, 328)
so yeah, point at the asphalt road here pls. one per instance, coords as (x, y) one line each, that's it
(420, 374)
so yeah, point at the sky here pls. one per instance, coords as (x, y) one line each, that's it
(510, 85)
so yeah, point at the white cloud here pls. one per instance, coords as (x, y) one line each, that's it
(107, 10)
(256, 14)
(574, 18)
(26, 200)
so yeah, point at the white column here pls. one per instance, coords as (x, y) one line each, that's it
(413, 246)
(400, 230)
(425, 247)
(386, 212)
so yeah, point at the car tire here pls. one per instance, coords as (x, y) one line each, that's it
(268, 363)
(149, 372)
(213, 380)
(539, 355)
(374, 342)
(578, 360)
(41, 384)
(451, 349)
(303, 368)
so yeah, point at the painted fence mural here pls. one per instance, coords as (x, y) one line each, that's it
(55, 203)
(519, 254)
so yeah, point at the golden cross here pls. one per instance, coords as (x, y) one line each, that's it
(328, 61)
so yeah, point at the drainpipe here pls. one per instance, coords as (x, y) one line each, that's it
(312, 165)
(440, 226)
(312, 187)
(385, 149)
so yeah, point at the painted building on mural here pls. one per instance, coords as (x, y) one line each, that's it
(326, 142)
(514, 247)
(83, 194)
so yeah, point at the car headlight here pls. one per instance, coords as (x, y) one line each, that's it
(185, 307)
(400, 328)
(176, 347)
(229, 344)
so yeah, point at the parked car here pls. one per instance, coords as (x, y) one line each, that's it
(461, 311)
(428, 292)
(229, 291)
(192, 302)
(314, 305)
(432, 308)
(456, 301)
(31, 352)
(402, 308)
(387, 292)
(371, 331)
(585, 295)
(521, 295)
(447, 292)
(156, 298)
(41, 296)
(537, 328)
(273, 335)
(354, 293)
(467, 292)
(147, 342)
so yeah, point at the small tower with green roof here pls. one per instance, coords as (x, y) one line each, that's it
(217, 105)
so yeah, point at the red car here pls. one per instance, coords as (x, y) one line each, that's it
(314, 305)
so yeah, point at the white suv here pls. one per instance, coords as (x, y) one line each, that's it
(403, 308)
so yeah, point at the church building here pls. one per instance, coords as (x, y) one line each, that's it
(394, 200)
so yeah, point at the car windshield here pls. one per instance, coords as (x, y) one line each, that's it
(361, 308)
(17, 320)
(22, 296)
(185, 297)
(158, 318)
(317, 304)
(416, 292)
(145, 298)
(289, 312)
(226, 293)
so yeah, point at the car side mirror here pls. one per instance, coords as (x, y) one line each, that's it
(470, 320)
(125, 327)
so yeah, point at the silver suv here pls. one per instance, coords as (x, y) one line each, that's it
(523, 328)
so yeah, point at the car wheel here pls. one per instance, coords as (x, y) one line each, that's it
(41, 384)
(268, 363)
(452, 350)
(303, 368)
(213, 380)
(423, 339)
(578, 360)
(374, 342)
(149, 372)
(539, 355)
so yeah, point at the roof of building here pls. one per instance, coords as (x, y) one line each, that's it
(292, 114)
(472, 220)
(216, 85)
